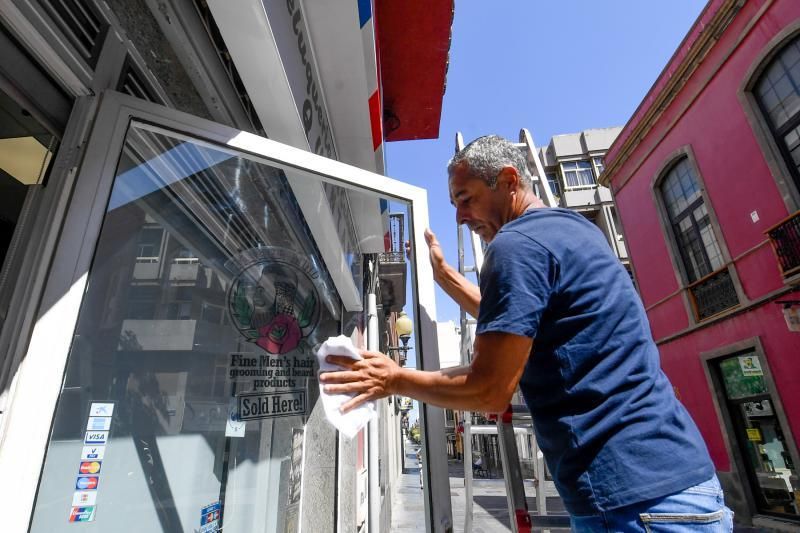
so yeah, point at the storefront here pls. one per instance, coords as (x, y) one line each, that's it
(168, 273)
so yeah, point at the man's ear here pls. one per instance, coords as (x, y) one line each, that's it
(510, 177)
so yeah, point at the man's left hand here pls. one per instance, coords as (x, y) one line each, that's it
(370, 378)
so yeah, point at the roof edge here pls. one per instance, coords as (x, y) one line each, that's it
(699, 40)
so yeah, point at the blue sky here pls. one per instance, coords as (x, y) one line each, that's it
(550, 66)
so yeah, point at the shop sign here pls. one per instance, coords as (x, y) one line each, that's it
(272, 405)
(87, 482)
(84, 497)
(273, 300)
(287, 21)
(751, 366)
(82, 514)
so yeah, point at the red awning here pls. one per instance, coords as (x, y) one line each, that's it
(413, 39)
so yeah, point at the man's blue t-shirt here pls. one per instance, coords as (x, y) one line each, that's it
(605, 416)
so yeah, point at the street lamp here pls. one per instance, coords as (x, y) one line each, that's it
(404, 327)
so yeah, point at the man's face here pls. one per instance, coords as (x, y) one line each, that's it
(481, 208)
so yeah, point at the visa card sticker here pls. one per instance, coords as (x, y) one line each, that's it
(96, 437)
(87, 482)
(84, 497)
(82, 514)
(101, 409)
(89, 467)
(98, 423)
(93, 453)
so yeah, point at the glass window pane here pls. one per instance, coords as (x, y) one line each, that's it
(207, 296)
(779, 87)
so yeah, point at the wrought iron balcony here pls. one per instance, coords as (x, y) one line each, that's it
(392, 276)
(785, 239)
(713, 294)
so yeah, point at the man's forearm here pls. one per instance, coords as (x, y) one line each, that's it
(466, 294)
(452, 388)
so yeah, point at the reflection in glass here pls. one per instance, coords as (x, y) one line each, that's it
(206, 298)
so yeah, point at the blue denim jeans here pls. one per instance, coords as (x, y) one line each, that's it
(699, 508)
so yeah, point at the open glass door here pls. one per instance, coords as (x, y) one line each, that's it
(190, 398)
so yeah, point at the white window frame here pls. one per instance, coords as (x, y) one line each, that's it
(39, 379)
(567, 186)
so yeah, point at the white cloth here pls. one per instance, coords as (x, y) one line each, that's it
(351, 422)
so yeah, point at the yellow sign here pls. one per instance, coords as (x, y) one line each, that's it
(754, 434)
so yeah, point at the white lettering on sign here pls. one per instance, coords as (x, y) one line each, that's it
(272, 405)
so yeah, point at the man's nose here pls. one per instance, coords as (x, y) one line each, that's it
(461, 216)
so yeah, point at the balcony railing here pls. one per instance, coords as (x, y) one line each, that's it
(713, 294)
(785, 239)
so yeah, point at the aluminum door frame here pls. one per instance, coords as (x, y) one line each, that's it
(41, 375)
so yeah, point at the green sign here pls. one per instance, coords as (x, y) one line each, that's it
(741, 380)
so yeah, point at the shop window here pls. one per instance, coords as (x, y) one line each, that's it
(759, 435)
(710, 285)
(258, 265)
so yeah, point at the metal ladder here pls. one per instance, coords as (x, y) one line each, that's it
(512, 472)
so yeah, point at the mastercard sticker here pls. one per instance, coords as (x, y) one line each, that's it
(90, 467)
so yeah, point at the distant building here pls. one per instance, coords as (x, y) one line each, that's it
(706, 176)
(573, 163)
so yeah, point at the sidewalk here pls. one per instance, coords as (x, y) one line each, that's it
(490, 511)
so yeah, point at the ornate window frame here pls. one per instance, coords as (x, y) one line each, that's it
(681, 276)
(762, 130)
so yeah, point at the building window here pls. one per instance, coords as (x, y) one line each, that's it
(552, 179)
(758, 433)
(710, 283)
(778, 94)
(599, 166)
(577, 174)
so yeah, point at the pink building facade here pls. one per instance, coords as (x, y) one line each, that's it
(706, 179)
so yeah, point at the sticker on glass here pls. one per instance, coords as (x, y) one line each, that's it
(273, 300)
(209, 518)
(82, 514)
(101, 409)
(751, 366)
(98, 423)
(234, 427)
(272, 405)
(89, 467)
(84, 497)
(93, 453)
(87, 482)
(96, 437)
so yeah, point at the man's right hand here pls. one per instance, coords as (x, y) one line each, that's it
(435, 253)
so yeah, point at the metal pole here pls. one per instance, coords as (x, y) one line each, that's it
(374, 487)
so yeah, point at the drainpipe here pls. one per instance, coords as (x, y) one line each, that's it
(374, 486)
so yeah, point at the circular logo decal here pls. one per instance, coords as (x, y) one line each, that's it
(90, 467)
(273, 300)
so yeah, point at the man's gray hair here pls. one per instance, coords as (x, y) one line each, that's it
(486, 156)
